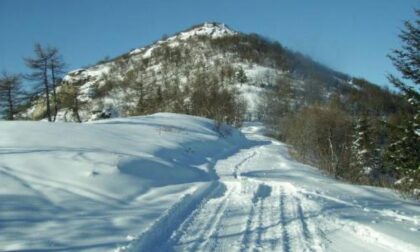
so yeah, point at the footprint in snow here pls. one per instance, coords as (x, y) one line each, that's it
(93, 173)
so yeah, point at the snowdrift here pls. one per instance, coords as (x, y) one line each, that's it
(64, 184)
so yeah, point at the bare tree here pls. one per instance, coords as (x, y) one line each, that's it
(56, 66)
(10, 93)
(40, 66)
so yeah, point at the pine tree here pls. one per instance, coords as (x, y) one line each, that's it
(241, 76)
(11, 94)
(403, 154)
(364, 161)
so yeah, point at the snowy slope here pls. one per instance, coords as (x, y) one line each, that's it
(170, 182)
(89, 186)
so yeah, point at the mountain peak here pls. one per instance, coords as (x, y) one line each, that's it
(212, 29)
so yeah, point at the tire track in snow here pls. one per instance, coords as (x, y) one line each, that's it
(236, 170)
(247, 237)
(310, 231)
(210, 238)
(272, 227)
(298, 226)
(260, 227)
(249, 215)
(256, 224)
(227, 235)
(300, 234)
(164, 227)
(188, 222)
(283, 220)
(261, 195)
(203, 225)
(189, 229)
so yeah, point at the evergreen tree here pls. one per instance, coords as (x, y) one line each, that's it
(364, 161)
(241, 76)
(10, 94)
(404, 153)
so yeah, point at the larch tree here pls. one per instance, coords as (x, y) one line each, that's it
(11, 94)
(56, 66)
(40, 65)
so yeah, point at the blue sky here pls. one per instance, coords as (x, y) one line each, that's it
(350, 36)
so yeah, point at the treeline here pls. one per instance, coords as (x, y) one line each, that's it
(359, 133)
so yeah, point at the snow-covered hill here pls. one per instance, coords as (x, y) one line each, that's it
(169, 67)
(169, 182)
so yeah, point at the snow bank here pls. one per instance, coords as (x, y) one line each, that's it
(89, 186)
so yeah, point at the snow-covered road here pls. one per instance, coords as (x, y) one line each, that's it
(265, 201)
(170, 182)
(250, 215)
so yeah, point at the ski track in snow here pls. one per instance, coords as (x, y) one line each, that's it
(256, 215)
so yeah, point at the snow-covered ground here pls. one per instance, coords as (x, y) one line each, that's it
(92, 186)
(171, 182)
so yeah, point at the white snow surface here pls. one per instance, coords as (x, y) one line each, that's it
(212, 30)
(169, 182)
(207, 29)
(93, 72)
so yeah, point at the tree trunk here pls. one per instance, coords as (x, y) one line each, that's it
(47, 90)
(333, 157)
(10, 101)
(76, 109)
(54, 92)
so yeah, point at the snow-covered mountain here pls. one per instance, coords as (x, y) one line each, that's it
(246, 62)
